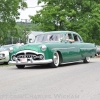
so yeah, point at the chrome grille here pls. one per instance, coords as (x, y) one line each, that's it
(29, 55)
(25, 56)
(21, 56)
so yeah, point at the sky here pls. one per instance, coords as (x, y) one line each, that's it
(24, 14)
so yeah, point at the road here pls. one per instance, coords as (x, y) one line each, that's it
(76, 81)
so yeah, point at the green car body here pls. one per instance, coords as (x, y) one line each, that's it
(53, 52)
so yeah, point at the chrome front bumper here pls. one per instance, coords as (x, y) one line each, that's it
(32, 62)
(4, 58)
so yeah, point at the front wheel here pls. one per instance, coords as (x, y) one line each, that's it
(86, 60)
(56, 60)
(20, 66)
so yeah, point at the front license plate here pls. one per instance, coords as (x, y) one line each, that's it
(23, 60)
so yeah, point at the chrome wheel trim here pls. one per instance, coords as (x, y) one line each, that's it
(88, 59)
(56, 59)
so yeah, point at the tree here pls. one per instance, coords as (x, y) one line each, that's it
(8, 15)
(82, 16)
(23, 28)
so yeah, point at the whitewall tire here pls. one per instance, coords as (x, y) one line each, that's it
(56, 60)
(86, 60)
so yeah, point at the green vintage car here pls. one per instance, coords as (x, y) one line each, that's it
(53, 48)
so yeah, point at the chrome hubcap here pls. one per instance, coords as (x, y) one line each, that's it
(56, 59)
(88, 59)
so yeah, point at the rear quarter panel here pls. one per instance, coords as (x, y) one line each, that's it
(87, 49)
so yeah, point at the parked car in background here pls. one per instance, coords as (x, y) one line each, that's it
(4, 52)
(98, 50)
(53, 48)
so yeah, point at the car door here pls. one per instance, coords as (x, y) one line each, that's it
(73, 49)
(77, 43)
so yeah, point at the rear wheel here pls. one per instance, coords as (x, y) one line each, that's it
(86, 60)
(56, 60)
(20, 66)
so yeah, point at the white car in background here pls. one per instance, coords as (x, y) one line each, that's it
(31, 36)
(4, 52)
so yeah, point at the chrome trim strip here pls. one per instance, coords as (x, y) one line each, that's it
(73, 61)
(87, 48)
(32, 62)
(63, 48)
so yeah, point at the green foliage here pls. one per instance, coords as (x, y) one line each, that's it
(82, 16)
(8, 14)
(23, 28)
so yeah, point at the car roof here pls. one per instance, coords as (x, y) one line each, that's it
(35, 33)
(63, 32)
(56, 32)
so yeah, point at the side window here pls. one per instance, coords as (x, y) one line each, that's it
(38, 38)
(69, 36)
(79, 39)
(76, 38)
(56, 37)
(51, 38)
(60, 36)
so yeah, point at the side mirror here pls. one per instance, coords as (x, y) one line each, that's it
(30, 40)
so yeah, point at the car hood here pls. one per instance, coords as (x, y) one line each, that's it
(30, 46)
(35, 46)
(2, 49)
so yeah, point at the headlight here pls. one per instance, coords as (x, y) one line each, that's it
(43, 47)
(11, 49)
(41, 56)
(13, 58)
(2, 55)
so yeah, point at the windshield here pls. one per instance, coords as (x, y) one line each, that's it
(48, 38)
